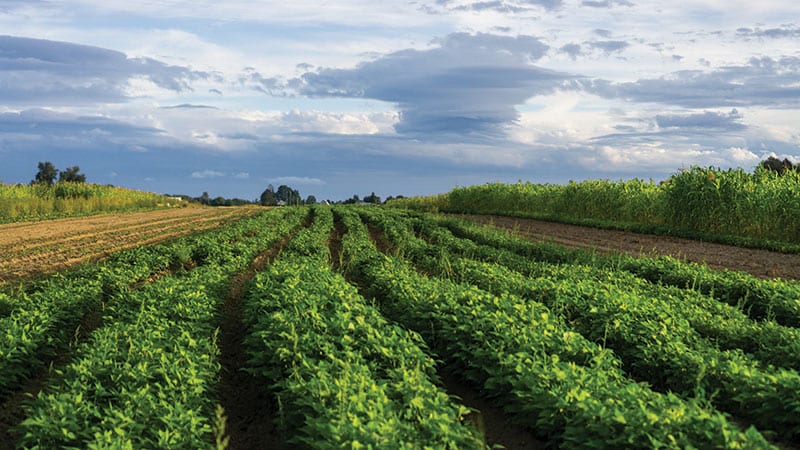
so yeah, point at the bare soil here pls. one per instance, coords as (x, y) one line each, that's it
(39, 248)
(760, 263)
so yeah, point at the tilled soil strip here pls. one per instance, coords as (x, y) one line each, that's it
(69, 236)
(760, 263)
(105, 242)
(12, 234)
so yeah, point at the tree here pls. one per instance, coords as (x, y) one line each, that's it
(72, 175)
(352, 201)
(287, 195)
(372, 198)
(776, 165)
(46, 174)
(311, 200)
(268, 197)
(205, 199)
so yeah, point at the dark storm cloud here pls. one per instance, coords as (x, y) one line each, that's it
(38, 71)
(763, 81)
(468, 83)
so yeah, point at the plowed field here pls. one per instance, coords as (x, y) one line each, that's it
(28, 248)
(760, 263)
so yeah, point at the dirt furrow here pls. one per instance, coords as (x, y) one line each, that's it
(14, 234)
(58, 255)
(249, 408)
(76, 237)
(760, 263)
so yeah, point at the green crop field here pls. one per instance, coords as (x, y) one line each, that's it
(759, 209)
(63, 199)
(349, 327)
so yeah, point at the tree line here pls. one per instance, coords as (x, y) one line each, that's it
(285, 195)
(776, 165)
(47, 174)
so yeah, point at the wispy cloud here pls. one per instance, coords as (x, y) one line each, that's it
(208, 174)
(781, 32)
(298, 181)
(503, 6)
(605, 3)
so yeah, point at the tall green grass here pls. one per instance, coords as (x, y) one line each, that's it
(23, 202)
(760, 205)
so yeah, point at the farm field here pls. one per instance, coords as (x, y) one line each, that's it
(761, 263)
(45, 246)
(372, 328)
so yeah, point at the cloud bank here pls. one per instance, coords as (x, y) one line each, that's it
(38, 71)
(466, 84)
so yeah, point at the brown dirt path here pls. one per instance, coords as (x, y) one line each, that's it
(34, 248)
(761, 263)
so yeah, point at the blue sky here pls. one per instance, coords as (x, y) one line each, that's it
(396, 97)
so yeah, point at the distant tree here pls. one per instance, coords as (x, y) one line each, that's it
(776, 165)
(268, 197)
(352, 201)
(46, 174)
(204, 199)
(372, 198)
(72, 175)
(311, 200)
(288, 195)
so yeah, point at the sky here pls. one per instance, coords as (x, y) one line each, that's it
(336, 98)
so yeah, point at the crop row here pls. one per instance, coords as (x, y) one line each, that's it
(654, 334)
(758, 209)
(570, 390)
(778, 300)
(144, 378)
(41, 318)
(345, 376)
(725, 325)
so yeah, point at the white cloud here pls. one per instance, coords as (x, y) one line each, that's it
(208, 174)
(300, 181)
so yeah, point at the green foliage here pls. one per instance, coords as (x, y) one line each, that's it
(569, 389)
(656, 335)
(345, 376)
(63, 199)
(288, 195)
(143, 379)
(46, 174)
(268, 197)
(706, 202)
(587, 351)
(71, 175)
